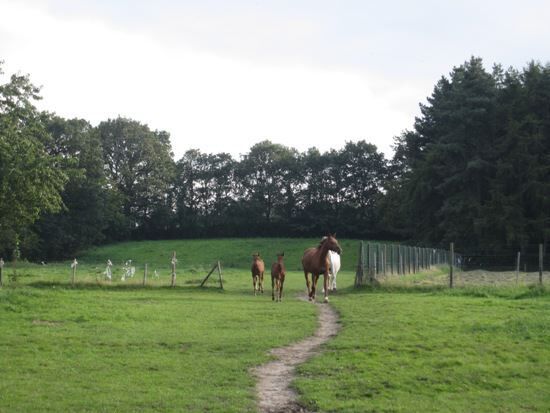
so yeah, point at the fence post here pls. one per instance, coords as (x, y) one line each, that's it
(73, 266)
(391, 258)
(369, 261)
(451, 263)
(174, 261)
(1, 271)
(359, 273)
(385, 259)
(377, 259)
(220, 275)
(145, 275)
(540, 264)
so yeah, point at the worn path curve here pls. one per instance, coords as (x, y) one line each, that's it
(273, 387)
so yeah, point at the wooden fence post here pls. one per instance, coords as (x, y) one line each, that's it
(369, 261)
(220, 275)
(384, 259)
(540, 264)
(216, 266)
(174, 261)
(73, 266)
(391, 258)
(360, 272)
(451, 263)
(145, 275)
(366, 260)
(377, 259)
(400, 253)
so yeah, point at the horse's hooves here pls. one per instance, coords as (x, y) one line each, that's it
(326, 299)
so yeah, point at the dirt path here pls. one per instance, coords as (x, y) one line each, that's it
(273, 388)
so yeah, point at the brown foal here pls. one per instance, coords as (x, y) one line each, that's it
(278, 273)
(258, 268)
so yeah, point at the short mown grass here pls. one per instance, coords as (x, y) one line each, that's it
(409, 345)
(430, 349)
(123, 348)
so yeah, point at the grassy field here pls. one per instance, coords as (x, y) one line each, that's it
(410, 345)
(124, 348)
(233, 253)
(427, 349)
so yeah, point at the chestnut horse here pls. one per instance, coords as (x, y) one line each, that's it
(278, 273)
(258, 268)
(315, 261)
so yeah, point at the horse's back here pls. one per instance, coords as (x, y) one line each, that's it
(277, 270)
(258, 267)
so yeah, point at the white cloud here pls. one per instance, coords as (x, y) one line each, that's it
(93, 70)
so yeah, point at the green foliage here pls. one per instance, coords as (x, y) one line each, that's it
(475, 168)
(90, 207)
(139, 166)
(30, 179)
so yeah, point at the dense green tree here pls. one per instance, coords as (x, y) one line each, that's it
(92, 212)
(517, 212)
(30, 178)
(267, 179)
(363, 171)
(204, 193)
(475, 168)
(139, 166)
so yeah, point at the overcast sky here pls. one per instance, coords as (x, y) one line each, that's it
(223, 75)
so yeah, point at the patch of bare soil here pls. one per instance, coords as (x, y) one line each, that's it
(274, 378)
(497, 278)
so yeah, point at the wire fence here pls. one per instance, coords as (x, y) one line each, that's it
(380, 263)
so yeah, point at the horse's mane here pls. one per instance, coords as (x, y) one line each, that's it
(322, 241)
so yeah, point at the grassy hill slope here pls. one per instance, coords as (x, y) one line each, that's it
(233, 252)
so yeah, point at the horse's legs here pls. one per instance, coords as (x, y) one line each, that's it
(282, 281)
(325, 283)
(262, 282)
(314, 279)
(254, 284)
(272, 288)
(307, 284)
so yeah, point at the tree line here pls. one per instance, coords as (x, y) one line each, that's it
(475, 169)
